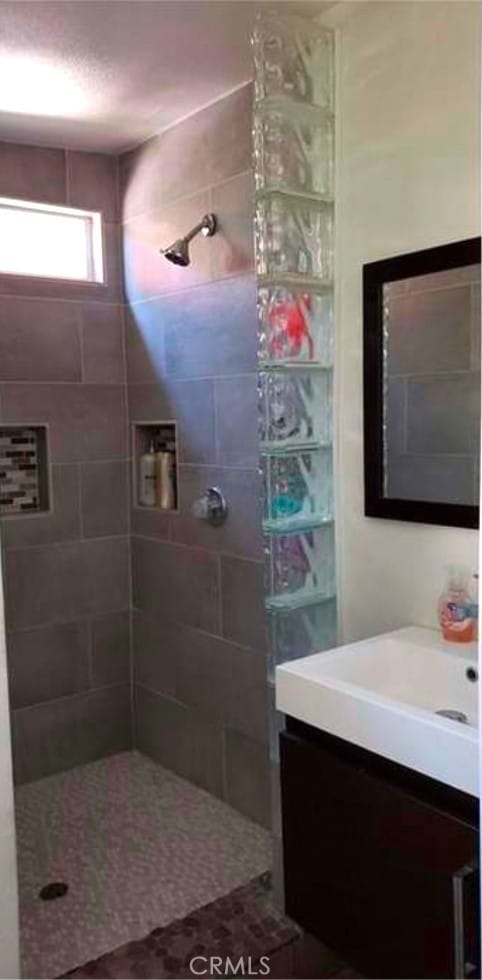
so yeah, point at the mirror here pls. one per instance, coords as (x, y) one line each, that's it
(421, 327)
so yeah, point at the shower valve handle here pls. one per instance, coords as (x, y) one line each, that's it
(211, 507)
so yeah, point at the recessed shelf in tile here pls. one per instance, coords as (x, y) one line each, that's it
(24, 484)
(155, 458)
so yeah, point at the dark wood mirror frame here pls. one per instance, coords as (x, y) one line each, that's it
(375, 275)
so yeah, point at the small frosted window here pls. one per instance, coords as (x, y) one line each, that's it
(43, 240)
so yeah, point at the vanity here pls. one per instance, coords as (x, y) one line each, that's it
(380, 803)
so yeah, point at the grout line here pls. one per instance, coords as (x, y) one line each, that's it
(220, 597)
(475, 327)
(72, 621)
(90, 653)
(80, 329)
(68, 175)
(132, 675)
(224, 765)
(431, 376)
(66, 541)
(217, 453)
(187, 379)
(88, 462)
(169, 697)
(404, 423)
(219, 466)
(205, 189)
(63, 384)
(212, 251)
(118, 199)
(444, 287)
(73, 462)
(80, 500)
(130, 503)
(22, 297)
(211, 552)
(245, 274)
(213, 636)
(86, 692)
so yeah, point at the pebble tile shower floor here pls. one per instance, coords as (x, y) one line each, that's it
(138, 847)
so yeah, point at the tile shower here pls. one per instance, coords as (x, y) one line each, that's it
(132, 630)
(128, 628)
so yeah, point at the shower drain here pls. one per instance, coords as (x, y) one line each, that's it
(453, 715)
(55, 889)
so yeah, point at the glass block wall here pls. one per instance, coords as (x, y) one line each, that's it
(293, 133)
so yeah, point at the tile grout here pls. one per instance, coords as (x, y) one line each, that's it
(191, 195)
(72, 621)
(214, 553)
(60, 543)
(228, 277)
(85, 692)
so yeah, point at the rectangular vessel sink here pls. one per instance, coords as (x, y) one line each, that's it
(383, 694)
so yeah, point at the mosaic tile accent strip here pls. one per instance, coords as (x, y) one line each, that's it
(139, 848)
(19, 471)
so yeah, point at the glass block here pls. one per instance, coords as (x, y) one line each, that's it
(295, 409)
(293, 58)
(297, 489)
(295, 324)
(301, 632)
(294, 237)
(300, 567)
(293, 149)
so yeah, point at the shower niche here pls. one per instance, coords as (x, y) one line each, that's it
(24, 480)
(155, 466)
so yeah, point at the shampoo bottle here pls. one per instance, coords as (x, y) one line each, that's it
(456, 615)
(165, 478)
(147, 478)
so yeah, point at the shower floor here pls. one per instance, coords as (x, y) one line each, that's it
(138, 847)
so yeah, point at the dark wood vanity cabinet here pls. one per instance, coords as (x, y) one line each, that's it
(380, 862)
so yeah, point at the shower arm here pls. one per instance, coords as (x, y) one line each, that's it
(195, 231)
(207, 226)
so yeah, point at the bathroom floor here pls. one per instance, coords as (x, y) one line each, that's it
(138, 847)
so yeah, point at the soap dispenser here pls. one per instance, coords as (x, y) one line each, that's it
(456, 615)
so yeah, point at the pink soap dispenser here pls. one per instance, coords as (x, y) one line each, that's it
(455, 608)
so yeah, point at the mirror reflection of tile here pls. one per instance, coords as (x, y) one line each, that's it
(432, 364)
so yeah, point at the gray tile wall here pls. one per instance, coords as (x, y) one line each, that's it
(199, 632)
(67, 573)
(433, 374)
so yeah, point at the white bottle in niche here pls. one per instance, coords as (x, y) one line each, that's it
(147, 478)
(165, 485)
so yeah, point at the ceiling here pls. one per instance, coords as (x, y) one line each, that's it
(107, 74)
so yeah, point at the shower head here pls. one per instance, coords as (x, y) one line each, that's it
(178, 252)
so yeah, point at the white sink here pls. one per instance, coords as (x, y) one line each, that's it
(383, 694)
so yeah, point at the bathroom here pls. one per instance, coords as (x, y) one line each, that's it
(141, 821)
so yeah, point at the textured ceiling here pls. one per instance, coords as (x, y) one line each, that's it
(107, 74)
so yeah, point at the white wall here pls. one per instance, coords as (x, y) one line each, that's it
(9, 954)
(408, 177)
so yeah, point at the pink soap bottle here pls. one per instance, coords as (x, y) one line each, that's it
(456, 608)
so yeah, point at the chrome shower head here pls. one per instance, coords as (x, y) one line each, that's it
(178, 252)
